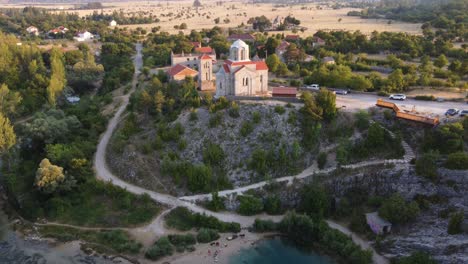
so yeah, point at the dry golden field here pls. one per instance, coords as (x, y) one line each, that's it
(173, 13)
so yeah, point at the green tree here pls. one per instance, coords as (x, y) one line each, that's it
(326, 100)
(396, 210)
(314, 201)
(9, 100)
(360, 83)
(7, 134)
(216, 202)
(57, 78)
(199, 178)
(395, 81)
(159, 101)
(273, 62)
(441, 61)
(272, 205)
(282, 69)
(206, 235)
(457, 161)
(250, 205)
(375, 136)
(213, 155)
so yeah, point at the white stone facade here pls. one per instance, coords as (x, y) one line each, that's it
(240, 76)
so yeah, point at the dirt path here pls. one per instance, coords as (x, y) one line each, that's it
(378, 259)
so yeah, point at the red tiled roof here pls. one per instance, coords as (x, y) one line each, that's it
(179, 68)
(205, 57)
(284, 90)
(284, 44)
(260, 65)
(226, 68)
(242, 67)
(292, 37)
(318, 40)
(196, 44)
(204, 50)
(241, 37)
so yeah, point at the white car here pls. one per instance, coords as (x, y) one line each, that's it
(397, 97)
(315, 87)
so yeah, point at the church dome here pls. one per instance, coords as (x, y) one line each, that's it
(239, 44)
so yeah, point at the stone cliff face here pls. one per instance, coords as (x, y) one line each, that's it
(429, 231)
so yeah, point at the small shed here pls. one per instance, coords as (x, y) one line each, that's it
(378, 225)
(284, 92)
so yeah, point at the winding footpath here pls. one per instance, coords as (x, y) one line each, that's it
(157, 226)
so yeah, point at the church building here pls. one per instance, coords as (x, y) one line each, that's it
(241, 76)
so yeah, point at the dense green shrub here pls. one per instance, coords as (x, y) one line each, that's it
(216, 203)
(234, 110)
(314, 201)
(455, 223)
(457, 161)
(425, 97)
(426, 165)
(213, 154)
(417, 258)
(446, 138)
(119, 240)
(182, 219)
(249, 205)
(272, 205)
(396, 210)
(215, 119)
(322, 160)
(193, 116)
(182, 242)
(256, 117)
(206, 235)
(160, 249)
(258, 162)
(264, 226)
(280, 109)
(362, 120)
(199, 178)
(307, 232)
(246, 128)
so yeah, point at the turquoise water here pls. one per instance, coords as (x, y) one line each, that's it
(276, 251)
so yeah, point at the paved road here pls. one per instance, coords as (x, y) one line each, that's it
(356, 101)
(157, 226)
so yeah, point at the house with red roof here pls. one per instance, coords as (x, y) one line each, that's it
(281, 49)
(240, 76)
(191, 59)
(179, 72)
(317, 42)
(292, 37)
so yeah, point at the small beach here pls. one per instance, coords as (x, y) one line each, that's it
(207, 253)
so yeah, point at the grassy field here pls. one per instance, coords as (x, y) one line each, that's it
(312, 16)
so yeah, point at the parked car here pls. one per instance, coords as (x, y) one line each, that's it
(340, 91)
(314, 87)
(397, 97)
(464, 113)
(451, 112)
